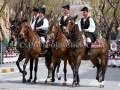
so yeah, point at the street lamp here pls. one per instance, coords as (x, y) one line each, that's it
(118, 36)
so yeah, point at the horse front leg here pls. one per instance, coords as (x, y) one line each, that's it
(53, 73)
(20, 58)
(24, 67)
(57, 72)
(51, 69)
(35, 70)
(65, 71)
(76, 80)
(103, 70)
(31, 69)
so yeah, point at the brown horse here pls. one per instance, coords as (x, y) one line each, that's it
(31, 46)
(14, 28)
(78, 52)
(59, 49)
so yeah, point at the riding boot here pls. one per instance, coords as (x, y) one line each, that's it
(44, 50)
(89, 49)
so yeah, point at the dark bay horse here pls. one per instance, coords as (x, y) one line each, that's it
(78, 52)
(31, 46)
(59, 49)
(15, 30)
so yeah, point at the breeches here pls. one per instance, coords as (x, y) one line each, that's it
(90, 37)
(42, 39)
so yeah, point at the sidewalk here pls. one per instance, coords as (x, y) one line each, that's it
(11, 67)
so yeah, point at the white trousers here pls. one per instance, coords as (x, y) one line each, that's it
(89, 40)
(42, 39)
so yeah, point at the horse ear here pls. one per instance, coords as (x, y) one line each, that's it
(75, 17)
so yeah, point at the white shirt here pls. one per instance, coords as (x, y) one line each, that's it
(64, 18)
(45, 25)
(32, 22)
(91, 28)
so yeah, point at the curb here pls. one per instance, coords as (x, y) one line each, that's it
(7, 70)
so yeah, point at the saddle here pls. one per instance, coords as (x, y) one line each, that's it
(96, 44)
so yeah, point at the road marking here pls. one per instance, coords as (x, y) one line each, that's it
(8, 70)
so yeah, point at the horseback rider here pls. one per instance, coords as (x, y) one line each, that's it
(87, 25)
(63, 23)
(35, 18)
(41, 27)
(65, 18)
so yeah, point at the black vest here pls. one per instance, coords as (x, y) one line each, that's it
(40, 23)
(86, 24)
(36, 19)
(64, 23)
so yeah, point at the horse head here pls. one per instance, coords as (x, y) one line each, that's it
(54, 29)
(71, 24)
(15, 24)
(24, 29)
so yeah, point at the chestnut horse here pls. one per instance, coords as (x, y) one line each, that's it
(58, 49)
(30, 42)
(15, 30)
(99, 56)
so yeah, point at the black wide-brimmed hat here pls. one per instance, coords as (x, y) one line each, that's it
(66, 7)
(84, 9)
(42, 10)
(35, 9)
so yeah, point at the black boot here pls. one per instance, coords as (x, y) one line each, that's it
(44, 50)
(89, 49)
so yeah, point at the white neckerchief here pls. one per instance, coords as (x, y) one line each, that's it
(35, 16)
(84, 19)
(65, 17)
(39, 19)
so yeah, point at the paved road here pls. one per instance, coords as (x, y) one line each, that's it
(13, 81)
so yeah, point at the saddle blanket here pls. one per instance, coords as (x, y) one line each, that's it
(96, 44)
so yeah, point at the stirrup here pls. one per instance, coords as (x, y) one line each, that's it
(89, 53)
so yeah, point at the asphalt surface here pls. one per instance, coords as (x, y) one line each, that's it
(87, 74)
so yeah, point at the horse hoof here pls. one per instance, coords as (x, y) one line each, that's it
(53, 80)
(101, 86)
(59, 78)
(33, 82)
(74, 84)
(29, 80)
(24, 80)
(78, 85)
(64, 84)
